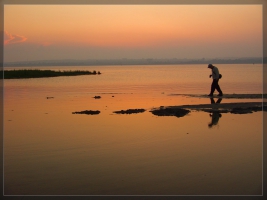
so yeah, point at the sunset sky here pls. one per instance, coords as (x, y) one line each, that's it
(47, 32)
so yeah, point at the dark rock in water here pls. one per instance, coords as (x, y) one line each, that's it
(50, 97)
(256, 108)
(130, 111)
(88, 112)
(239, 110)
(97, 97)
(177, 112)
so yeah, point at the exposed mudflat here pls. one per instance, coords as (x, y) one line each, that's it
(227, 96)
(234, 108)
(213, 107)
(87, 112)
(177, 112)
(130, 111)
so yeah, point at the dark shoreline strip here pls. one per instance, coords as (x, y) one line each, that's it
(36, 73)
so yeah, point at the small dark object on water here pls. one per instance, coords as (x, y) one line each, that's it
(130, 111)
(50, 97)
(94, 72)
(97, 97)
(88, 112)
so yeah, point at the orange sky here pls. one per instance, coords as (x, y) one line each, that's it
(115, 31)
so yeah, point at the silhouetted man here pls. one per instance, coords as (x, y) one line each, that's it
(215, 83)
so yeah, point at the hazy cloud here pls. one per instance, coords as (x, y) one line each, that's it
(12, 39)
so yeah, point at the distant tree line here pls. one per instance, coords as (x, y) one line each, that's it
(148, 61)
(36, 73)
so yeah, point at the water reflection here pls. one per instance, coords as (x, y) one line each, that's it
(215, 114)
(218, 100)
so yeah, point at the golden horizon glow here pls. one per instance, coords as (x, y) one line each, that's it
(132, 26)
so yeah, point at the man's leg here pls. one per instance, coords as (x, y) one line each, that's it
(218, 88)
(213, 86)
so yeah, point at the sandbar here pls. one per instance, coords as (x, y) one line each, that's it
(234, 108)
(227, 96)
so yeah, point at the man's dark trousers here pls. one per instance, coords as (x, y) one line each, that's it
(215, 85)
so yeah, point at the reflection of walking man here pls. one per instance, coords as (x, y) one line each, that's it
(215, 115)
(218, 101)
(215, 82)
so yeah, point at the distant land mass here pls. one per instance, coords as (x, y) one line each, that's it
(143, 61)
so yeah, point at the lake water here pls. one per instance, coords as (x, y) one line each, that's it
(50, 151)
(238, 78)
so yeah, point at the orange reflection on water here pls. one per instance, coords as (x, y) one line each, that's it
(46, 147)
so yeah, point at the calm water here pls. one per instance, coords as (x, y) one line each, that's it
(50, 151)
(181, 79)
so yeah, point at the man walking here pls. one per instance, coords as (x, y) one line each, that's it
(215, 82)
